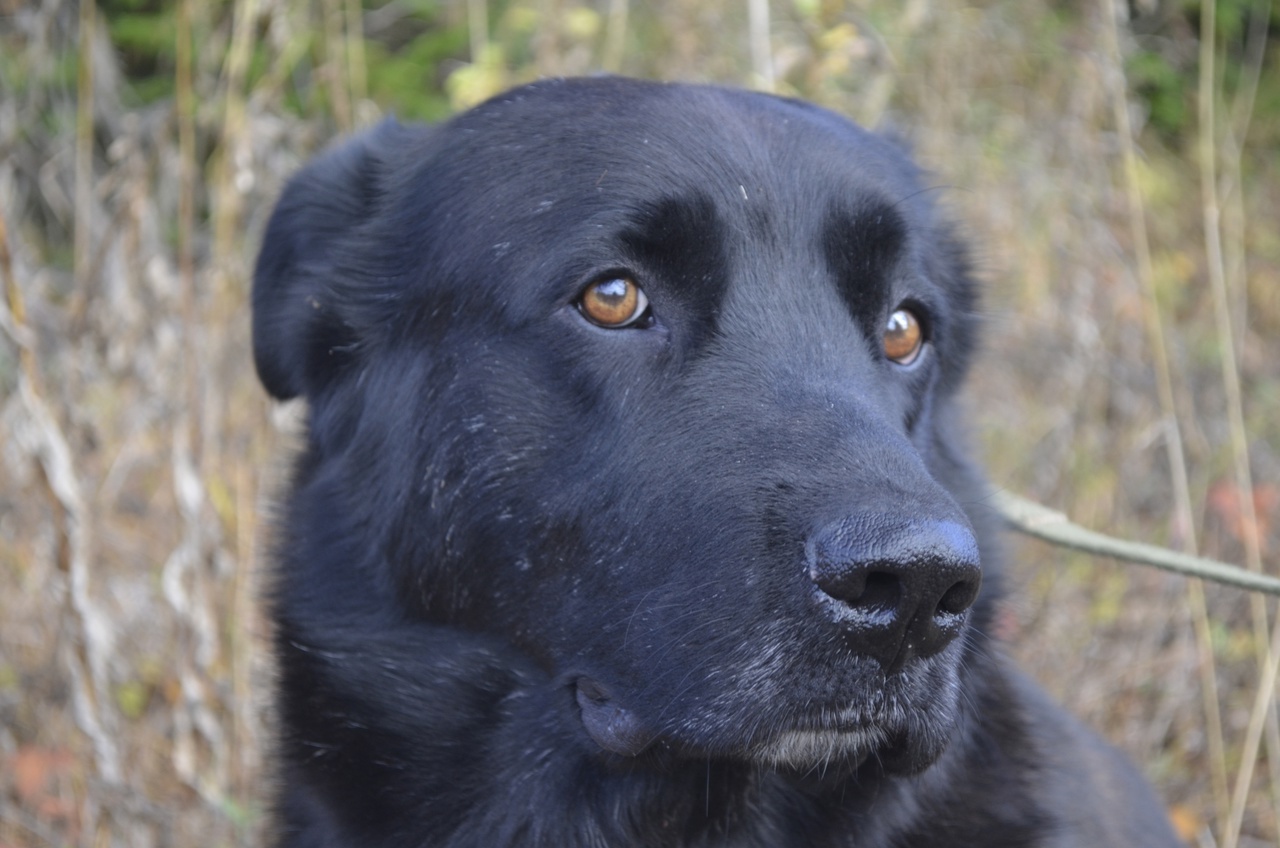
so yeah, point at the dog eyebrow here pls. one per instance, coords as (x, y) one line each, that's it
(682, 241)
(863, 245)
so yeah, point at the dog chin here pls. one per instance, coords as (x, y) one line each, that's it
(899, 750)
(904, 733)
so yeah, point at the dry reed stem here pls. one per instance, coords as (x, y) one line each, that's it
(246, 734)
(1174, 450)
(615, 34)
(285, 62)
(227, 207)
(1232, 150)
(477, 28)
(227, 204)
(1263, 706)
(83, 232)
(1247, 95)
(92, 638)
(357, 73)
(17, 324)
(761, 51)
(198, 735)
(185, 102)
(1263, 713)
(547, 50)
(335, 60)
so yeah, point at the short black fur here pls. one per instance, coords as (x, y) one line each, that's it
(707, 580)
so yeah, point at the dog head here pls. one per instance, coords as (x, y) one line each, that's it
(654, 383)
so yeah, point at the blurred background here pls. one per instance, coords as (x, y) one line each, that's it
(1117, 164)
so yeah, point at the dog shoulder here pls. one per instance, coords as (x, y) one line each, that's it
(1094, 791)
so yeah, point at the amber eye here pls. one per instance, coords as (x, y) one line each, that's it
(903, 337)
(613, 303)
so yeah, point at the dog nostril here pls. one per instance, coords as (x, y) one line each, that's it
(873, 590)
(958, 598)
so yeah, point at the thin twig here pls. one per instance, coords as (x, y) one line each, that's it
(1050, 525)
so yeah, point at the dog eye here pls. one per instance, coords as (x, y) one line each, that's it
(614, 303)
(903, 337)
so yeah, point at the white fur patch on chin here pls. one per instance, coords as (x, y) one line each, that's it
(811, 748)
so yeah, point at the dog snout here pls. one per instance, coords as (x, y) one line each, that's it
(899, 588)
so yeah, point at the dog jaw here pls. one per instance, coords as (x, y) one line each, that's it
(902, 721)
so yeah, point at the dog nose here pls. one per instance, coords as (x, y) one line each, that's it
(898, 588)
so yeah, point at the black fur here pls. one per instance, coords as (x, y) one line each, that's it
(705, 580)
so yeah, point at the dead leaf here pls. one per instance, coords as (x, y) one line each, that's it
(1186, 823)
(1225, 503)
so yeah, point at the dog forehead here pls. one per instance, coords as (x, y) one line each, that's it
(608, 135)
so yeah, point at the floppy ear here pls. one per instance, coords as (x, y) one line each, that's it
(298, 336)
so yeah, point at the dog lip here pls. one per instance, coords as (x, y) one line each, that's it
(805, 749)
(610, 725)
(868, 721)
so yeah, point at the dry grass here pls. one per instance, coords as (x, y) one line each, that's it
(137, 451)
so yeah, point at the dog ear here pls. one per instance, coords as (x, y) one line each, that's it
(299, 337)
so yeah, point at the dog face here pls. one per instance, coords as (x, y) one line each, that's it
(653, 384)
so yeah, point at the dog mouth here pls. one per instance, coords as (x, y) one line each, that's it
(901, 739)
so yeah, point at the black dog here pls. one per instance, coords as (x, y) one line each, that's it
(633, 510)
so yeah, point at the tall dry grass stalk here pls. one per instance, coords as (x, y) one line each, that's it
(92, 643)
(356, 64)
(337, 56)
(1262, 720)
(228, 170)
(1184, 517)
(759, 26)
(615, 37)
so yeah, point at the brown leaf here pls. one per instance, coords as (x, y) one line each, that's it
(33, 770)
(1225, 502)
(1186, 822)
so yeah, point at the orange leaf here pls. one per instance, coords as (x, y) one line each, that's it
(1186, 822)
(33, 768)
(1224, 501)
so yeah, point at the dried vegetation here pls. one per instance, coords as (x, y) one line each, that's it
(1119, 171)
